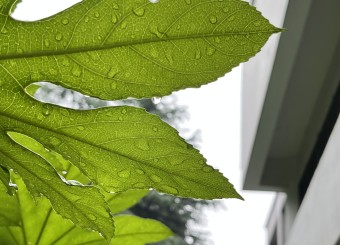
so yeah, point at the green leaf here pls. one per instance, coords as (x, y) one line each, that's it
(8, 208)
(118, 49)
(40, 224)
(85, 206)
(123, 200)
(132, 230)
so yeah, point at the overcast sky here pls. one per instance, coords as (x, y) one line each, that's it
(215, 110)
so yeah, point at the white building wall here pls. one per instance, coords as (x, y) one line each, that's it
(318, 219)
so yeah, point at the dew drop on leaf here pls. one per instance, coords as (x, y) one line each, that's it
(139, 185)
(54, 141)
(124, 173)
(4, 30)
(231, 18)
(76, 71)
(207, 169)
(113, 85)
(169, 189)
(139, 171)
(213, 19)
(225, 9)
(59, 37)
(46, 43)
(113, 71)
(92, 217)
(115, 6)
(257, 23)
(139, 12)
(156, 178)
(114, 19)
(210, 51)
(143, 145)
(64, 21)
(81, 128)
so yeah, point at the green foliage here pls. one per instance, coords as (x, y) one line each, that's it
(39, 224)
(111, 50)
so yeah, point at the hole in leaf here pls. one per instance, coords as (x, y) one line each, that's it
(67, 171)
(33, 10)
(47, 92)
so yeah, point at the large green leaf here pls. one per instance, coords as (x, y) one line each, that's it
(40, 224)
(116, 49)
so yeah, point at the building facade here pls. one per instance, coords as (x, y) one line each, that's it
(290, 122)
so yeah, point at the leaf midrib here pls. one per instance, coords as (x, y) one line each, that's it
(126, 44)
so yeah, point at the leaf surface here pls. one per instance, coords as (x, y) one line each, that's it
(118, 49)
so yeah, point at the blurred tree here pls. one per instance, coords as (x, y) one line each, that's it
(176, 213)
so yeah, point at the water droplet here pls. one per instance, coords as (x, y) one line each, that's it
(169, 189)
(65, 62)
(113, 71)
(200, 162)
(156, 178)
(92, 217)
(41, 117)
(46, 112)
(154, 30)
(114, 19)
(207, 169)
(115, 6)
(188, 1)
(198, 54)
(217, 40)
(59, 37)
(81, 128)
(210, 51)
(64, 21)
(76, 71)
(113, 85)
(156, 100)
(139, 185)
(4, 30)
(213, 19)
(139, 171)
(124, 173)
(46, 43)
(139, 12)
(155, 129)
(231, 18)
(54, 141)
(143, 145)
(257, 23)
(123, 25)
(96, 14)
(64, 172)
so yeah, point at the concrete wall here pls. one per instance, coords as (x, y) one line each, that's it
(256, 74)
